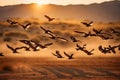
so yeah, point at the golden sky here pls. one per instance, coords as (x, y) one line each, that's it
(61, 2)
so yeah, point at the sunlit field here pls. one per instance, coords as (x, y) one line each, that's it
(44, 63)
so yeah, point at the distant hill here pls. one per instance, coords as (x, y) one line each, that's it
(106, 11)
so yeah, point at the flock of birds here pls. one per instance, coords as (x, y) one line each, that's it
(35, 46)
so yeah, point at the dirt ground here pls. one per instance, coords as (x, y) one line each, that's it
(82, 68)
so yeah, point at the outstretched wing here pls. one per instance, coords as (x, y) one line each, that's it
(54, 54)
(91, 23)
(79, 32)
(42, 28)
(27, 26)
(66, 54)
(48, 44)
(63, 39)
(47, 17)
(72, 38)
(10, 47)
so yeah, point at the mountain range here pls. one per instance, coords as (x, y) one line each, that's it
(106, 11)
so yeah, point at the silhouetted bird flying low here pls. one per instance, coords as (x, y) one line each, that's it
(43, 46)
(79, 32)
(105, 37)
(114, 31)
(103, 50)
(87, 24)
(1, 54)
(31, 44)
(55, 37)
(14, 50)
(49, 18)
(25, 27)
(84, 50)
(46, 30)
(74, 39)
(80, 48)
(89, 52)
(69, 56)
(25, 47)
(11, 22)
(119, 47)
(97, 31)
(58, 54)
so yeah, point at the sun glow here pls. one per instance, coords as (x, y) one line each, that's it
(40, 2)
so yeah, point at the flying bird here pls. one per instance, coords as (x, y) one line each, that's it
(31, 44)
(74, 39)
(25, 27)
(89, 52)
(56, 37)
(46, 30)
(69, 56)
(43, 46)
(58, 54)
(87, 24)
(14, 50)
(49, 18)
(114, 31)
(11, 22)
(1, 54)
(97, 31)
(79, 32)
(80, 48)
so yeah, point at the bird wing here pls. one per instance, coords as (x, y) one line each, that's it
(54, 54)
(91, 23)
(42, 28)
(10, 47)
(27, 26)
(72, 38)
(66, 54)
(48, 44)
(79, 32)
(9, 21)
(62, 38)
(47, 17)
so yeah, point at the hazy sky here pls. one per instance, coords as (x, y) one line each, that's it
(62, 2)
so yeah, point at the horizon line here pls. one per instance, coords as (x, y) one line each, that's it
(53, 4)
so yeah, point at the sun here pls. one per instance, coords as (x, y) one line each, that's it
(39, 2)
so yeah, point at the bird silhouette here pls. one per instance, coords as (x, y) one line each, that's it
(43, 46)
(74, 39)
(46, 30)
(49, 18)
(105, 37)
(14, 50)
(31, 44)
(79, 32)
(114, 31)
(103, 50)
(11, 22)
(25, 47)
(57, 53)
(80, 48)
(89, 52)
(56, 37)
(1, 54)
(83, 48)
(87, 24)
(119, 47)
(25, 27)
(97, 31)
(69, 56)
